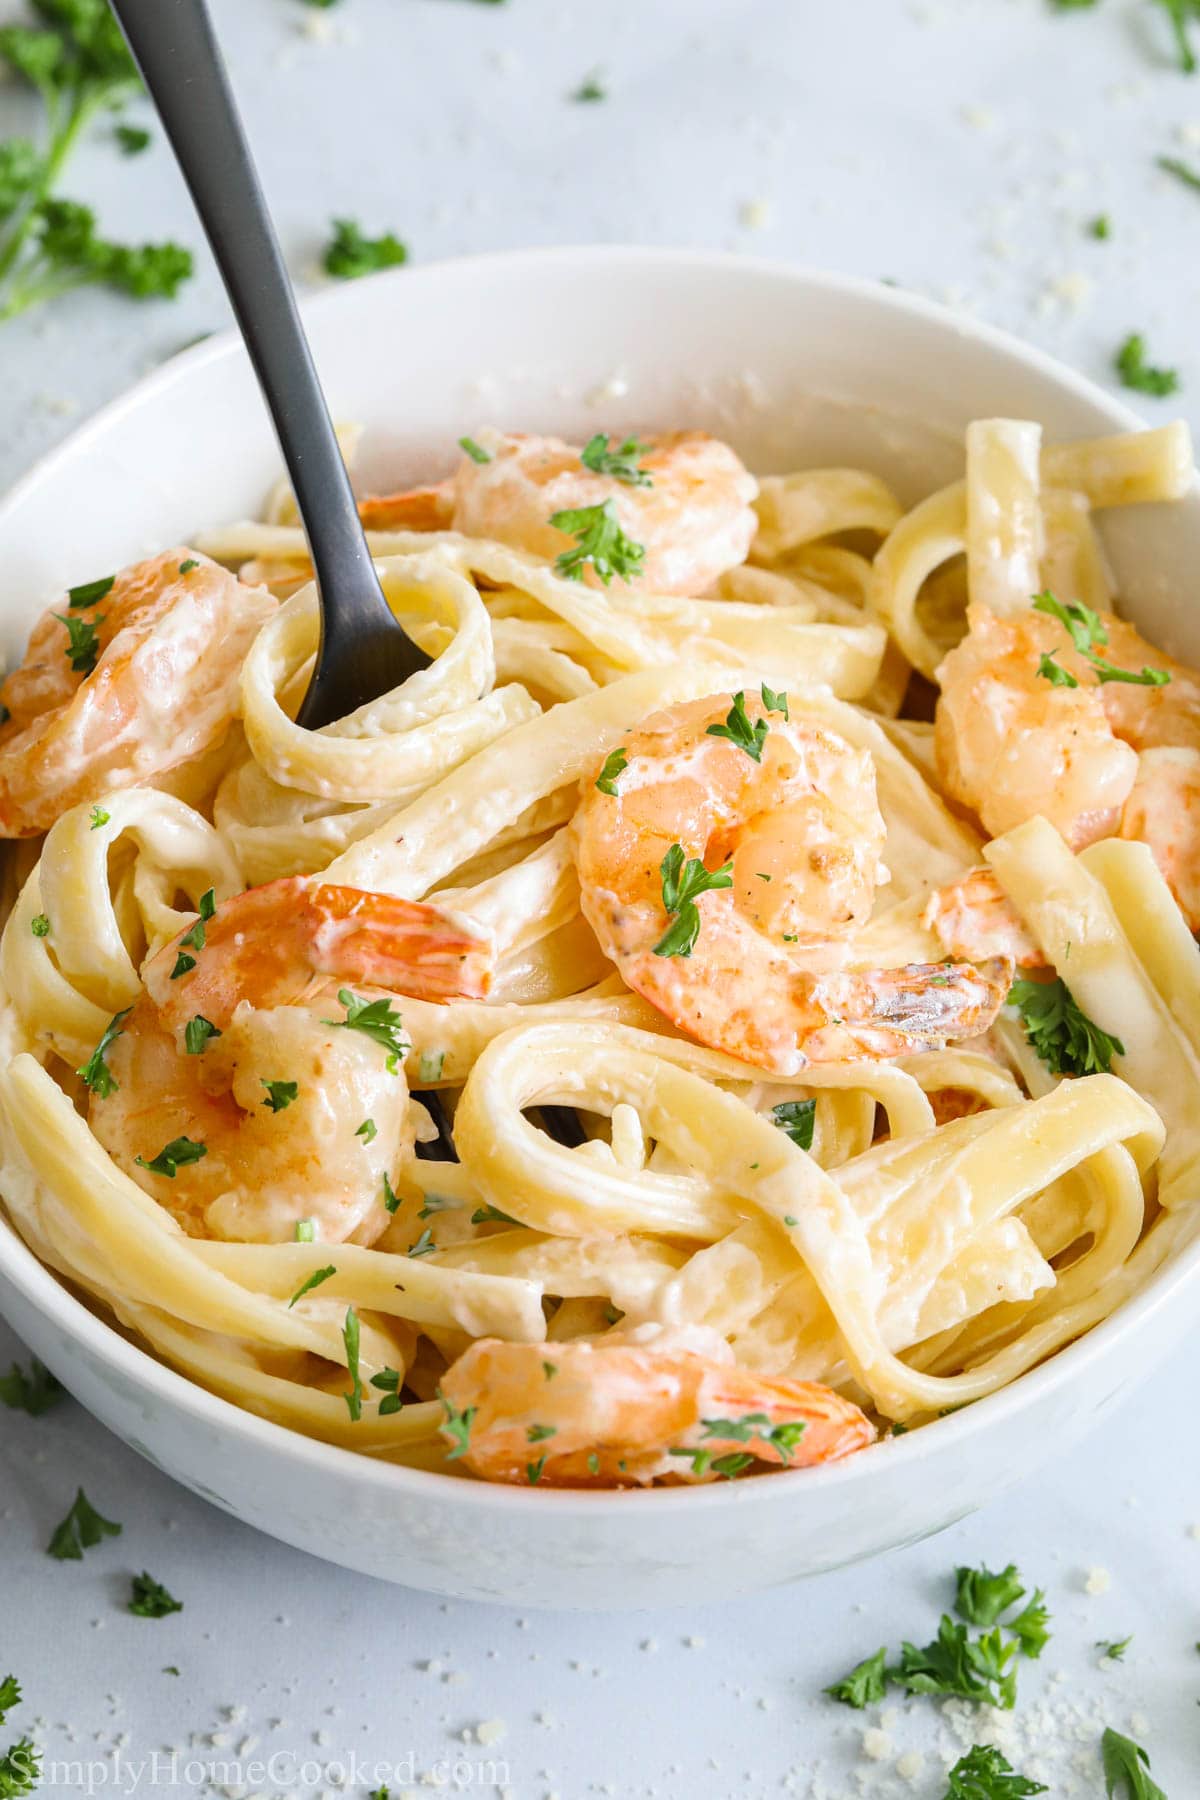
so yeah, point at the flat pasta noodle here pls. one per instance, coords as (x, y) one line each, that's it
(904, 1224)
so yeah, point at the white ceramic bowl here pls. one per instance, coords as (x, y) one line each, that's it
(794, 368)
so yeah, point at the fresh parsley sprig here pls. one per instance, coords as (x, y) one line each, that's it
(600, 541)
(1068, 1042)
(456, 1427)
(312, 1281)
(982, 1596)
(985, 1773)
(683, 881)
(20, 1769)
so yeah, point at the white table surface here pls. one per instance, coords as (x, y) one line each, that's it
(958, 146)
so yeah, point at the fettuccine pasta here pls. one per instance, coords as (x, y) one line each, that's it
(739, 1000)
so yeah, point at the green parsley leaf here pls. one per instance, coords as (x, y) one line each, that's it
(368, 1131)
(350, 1338)
(313, 1281)
(549, 1370)
(1052, 671)
(1100, 227)
(83, 642)
(1114, 1651)
(375, 1019)
(10, 1696)
(683, 881)
(1068, 1042)
(865, 1685)
(430, 1064)
(391, 1198)
(985, 1774)
(280, 1094)
(131, 139)
(615, 764)
(95, 1072)
(183, 962)
(590, 88)
(491, 1215)
(90, 591)
(1135, 372)
(40, 925)
(34, 1393)
(99, 817)
(537, 1434)
(306, 1231)
(475, 451)
(81, 1530)
(976, 1669)
(983, 1596)
(198, 1033)
(20, 1769)
(738, 729)
(1182, 171)
(593, 1463)
(776, 703)
(600, 541)
(533, 1471)
(796, 1118)
(1126, 1769)
(172, 1156)
(149, 1599)
(1031, 1626)
(622, 464)
(457, 1427)
(62, 249)
(424, 1244)
(350, 253)
(1179, 12)
(195, 937)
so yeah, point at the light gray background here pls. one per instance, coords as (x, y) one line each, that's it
(959, 147)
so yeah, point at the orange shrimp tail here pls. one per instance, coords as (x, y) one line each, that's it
(405, 945)
(417, 509)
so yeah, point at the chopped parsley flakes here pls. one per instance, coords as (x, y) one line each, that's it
(172, 1156)
(456, 1426)
(796, 1117)
(40, 925)
(1086, 629)
(83, 642)
(149, 1599)
(198, 1033)
(600, 541)
(280, 1094)
(82, 1529)
(375, 1019)
(683, 881)
(475, 451)
(89, 592)
(313, 1281)
(738, 729)
(99, 817)
(615, 764)
(623, 463)
(350, 1338)
(1135, 372)
(984, 1773)
(350, 253)
(35, 1393)
(95, 1072)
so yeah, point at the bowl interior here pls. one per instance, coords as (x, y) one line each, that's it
(793, 368)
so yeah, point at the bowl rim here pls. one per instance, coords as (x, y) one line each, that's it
(38, 1285)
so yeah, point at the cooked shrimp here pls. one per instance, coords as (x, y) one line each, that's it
(765, 977)
(246, 1053)
(1163, 812)
(1010, 744)
(614, 1414)
(691, 513)
(974, 917)
(171, 635)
